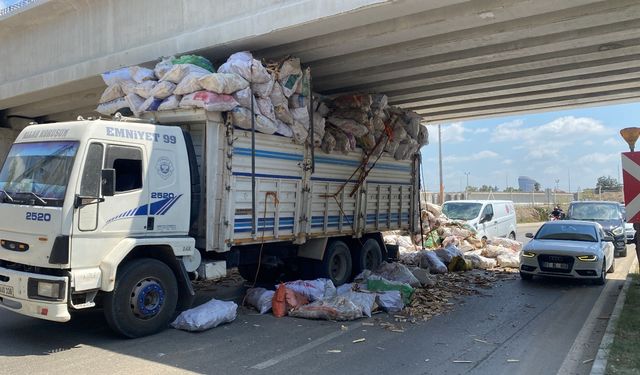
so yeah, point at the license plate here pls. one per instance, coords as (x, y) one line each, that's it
(559, 266)
(6, 290)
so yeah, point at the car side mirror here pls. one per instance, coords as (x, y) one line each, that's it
(108, 182)
(529, 235)
(607, 239)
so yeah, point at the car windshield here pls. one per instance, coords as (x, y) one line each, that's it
(37, 173)
(594, 211)
(568, 232)
(461, 210)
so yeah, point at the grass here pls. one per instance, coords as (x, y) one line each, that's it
(624, 355)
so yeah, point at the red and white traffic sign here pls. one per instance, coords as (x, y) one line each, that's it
(631, 181)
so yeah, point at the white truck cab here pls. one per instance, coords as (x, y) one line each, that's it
(74, 205)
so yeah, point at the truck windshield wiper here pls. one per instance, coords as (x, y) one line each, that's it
(7, 195)
(36, 196)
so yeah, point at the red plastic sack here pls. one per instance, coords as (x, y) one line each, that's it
(279, 303)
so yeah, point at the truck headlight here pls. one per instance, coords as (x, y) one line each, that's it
(588, 258)
(48, 290)
(618, 231)
(528, 254)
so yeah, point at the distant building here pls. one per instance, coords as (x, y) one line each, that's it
(526, 184)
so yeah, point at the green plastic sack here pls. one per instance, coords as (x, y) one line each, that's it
(432, 241)
(195, 60)
(383, 285)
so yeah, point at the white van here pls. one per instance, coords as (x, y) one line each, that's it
(489, 218)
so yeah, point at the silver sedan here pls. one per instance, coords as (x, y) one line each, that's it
(568, 248)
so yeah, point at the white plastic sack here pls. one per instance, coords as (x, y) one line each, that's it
(283, 114)
(163, 90)
(284, 129)
(245, 65)
(508, 260)
(135, 104)
(263, 90)
(397, 272)
(301, 115)
(151, 104)
(163, 67)
(209, 100)
(277, 95)
(145, 88)
(260, 298)
(170, 103)
(313, 289)
(128, 86)
(112, 107)
(478, 261)
(290, 76)
(390, 301)
(189, 84)
(349, 126)
(447, 253)
(429, 259)
(114, 76)
(514, 245)
(140, 74)
(298, 101)
(300, 132)
(205, 316)
(266, 108)
(179, 71)
(223, 83)
(241, 118)
(336, 308)
(112, 92)
(365, 301)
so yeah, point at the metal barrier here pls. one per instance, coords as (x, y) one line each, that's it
(543, 198)
(17, 6)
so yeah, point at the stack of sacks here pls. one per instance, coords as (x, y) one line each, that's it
(141, 89)
(367, 121)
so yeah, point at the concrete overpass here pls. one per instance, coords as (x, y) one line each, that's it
(446, 59)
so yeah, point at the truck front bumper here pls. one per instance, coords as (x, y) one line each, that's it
(17, 293)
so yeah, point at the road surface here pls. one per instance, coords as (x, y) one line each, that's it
(515, 327)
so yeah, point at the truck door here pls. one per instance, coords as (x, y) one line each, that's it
(98, 227)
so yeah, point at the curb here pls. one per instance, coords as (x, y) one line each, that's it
(600, 363)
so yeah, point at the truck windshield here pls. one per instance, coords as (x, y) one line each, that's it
(594, 211)
(461, 210)
(37, 173)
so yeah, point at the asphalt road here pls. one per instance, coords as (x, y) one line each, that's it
(515, 327)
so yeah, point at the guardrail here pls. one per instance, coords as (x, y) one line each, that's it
(17, 6)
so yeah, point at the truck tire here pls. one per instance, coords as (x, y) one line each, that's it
(367, 257)
(336, 263)
(143, 300)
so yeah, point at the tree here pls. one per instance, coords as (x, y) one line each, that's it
(472, 188)
(487, 188)
(608, 183)
(536, 187)
(511, 189)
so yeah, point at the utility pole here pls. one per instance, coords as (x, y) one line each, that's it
(555, 192)
(440, 162)
(569, 175)
(466, 188)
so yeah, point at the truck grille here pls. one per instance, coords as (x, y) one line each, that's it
(555, 263)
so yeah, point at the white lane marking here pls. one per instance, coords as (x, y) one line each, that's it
(302, 349)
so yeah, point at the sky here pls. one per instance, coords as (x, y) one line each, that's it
(574, 146)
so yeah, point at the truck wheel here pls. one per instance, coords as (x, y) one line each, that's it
(367, 257)
(144, 298)
(336, 264)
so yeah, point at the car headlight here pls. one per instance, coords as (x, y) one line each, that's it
(588, 258)
(618, 231)
(528, 254)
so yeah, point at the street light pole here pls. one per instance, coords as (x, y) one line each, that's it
(466, 188)
(555, 192)
(440, 162)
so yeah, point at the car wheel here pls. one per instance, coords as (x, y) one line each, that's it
(143, 300)
(367, 257)
(512, 236)
(526, 276)
(612, 269)
(623, 253)
(603, 274)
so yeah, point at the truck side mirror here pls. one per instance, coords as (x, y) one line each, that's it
(108, 183)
